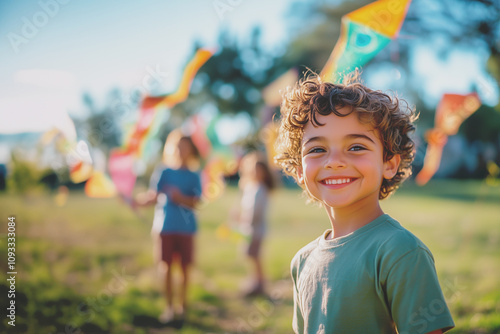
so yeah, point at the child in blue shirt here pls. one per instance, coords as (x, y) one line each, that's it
(176, 190)
(348, 147)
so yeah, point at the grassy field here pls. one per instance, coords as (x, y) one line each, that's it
(87, 267)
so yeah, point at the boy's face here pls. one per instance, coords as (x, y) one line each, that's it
(342, 162)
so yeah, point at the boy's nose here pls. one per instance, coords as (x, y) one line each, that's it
(335, 160)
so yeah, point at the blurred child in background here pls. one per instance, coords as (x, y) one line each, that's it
(176, 190)
(256, 182)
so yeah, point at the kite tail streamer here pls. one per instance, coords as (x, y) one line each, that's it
(436, 139)
(452, 111)
(121, 161)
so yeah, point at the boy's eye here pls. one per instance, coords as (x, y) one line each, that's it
(357, 148)
(316, 150)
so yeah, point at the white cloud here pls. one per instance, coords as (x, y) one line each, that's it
(36, 113)
(45, 78)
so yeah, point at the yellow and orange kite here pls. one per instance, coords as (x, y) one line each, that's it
(363, 33)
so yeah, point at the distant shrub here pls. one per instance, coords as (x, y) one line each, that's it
(23, 175)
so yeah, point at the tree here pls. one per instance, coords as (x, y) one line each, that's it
(232, 79)
(103, 127)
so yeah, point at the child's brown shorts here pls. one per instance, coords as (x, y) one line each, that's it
(177, 245)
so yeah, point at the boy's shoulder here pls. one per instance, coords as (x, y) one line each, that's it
(397, 239)
(306, 251)
(386, 238)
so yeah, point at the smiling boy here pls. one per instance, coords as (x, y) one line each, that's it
(348, 147)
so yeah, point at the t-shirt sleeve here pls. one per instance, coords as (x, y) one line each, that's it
(155, 178)
(414, 296)
(162, 182)
(298, 319)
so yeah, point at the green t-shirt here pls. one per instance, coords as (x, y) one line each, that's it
(374, 280)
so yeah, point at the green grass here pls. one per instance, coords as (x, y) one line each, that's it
(89, 265)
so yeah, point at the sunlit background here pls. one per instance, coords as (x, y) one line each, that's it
(83, 67)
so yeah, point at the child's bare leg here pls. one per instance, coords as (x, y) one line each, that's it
(185, 283)
(168, 313)
(168, 285)
(259, 273)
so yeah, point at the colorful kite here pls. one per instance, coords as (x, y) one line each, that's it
(272, 94)
(450, 113)
(363, 33)
(81, 171)
(99, 186)
(225, 232)
(170, 100)
(220, 162)
(151, 104)
(121, 161)
(121, 167)
(76, 154)
(212, 176)
(269, 135)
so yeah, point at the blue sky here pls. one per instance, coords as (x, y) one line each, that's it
(52, 51)
(93, 46)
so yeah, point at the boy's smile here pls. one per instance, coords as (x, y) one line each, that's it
(342, 163)
(337, 182)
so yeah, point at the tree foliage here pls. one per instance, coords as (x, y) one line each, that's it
(232, 79)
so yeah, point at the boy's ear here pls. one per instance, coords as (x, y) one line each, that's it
(300, 175)
(391, 167)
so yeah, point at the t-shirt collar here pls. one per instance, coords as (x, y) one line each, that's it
(342, 240)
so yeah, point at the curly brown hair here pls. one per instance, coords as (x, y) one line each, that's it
(392, 117)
